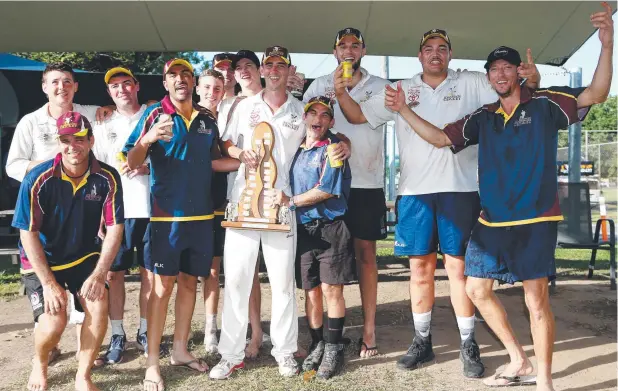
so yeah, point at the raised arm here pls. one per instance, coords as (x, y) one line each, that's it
(598, 90)
(351, 110)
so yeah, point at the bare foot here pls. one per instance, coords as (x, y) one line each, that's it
(153, 380)
(85, 384)
(545, 386)
(38, 377)
(189, 361)
(520, 371)
(368, 346)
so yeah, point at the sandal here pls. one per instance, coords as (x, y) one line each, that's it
(362, 344)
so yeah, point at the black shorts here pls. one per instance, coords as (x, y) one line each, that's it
(71, 279)
(366, 215)
(219, 235)
(324, 254)
(136, 236)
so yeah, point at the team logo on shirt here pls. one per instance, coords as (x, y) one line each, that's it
(254, 117)
(112, 136)
(414, 96)
(366, 97)
(44, 135)
(93, 196)
(292, 125)
(330, 93)
(203, 129)
(35, 301)
(523, 120)
(452, 94)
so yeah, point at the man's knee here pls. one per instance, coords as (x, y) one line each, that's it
(365, 252)
(332, 292)
(96, 309)
(455, 267)
(421, 271)
(479, 289)
(187, 282)
(163, 286)
(536, 294)
(53, 324)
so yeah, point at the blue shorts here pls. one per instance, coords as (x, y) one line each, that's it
(426, 220)
(136, 236)
(181, 246)
(511, 254)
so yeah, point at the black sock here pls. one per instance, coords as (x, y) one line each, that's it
(316, 334)
(334, 330)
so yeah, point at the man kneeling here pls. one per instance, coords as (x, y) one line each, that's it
(58, 211)
(325, 252)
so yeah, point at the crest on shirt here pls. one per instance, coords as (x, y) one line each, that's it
(523, 119)
(330, 93)
(203, 129)
(35, 300)
(414, 96)
(254, 117)
(93, 196)
(452, 94)
(44, 135)
(112, 136)
(293, 123)
(366, 97)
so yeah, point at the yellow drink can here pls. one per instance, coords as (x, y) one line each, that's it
(120, 157)
(333, 162)
(347, 69)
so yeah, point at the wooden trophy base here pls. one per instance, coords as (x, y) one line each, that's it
(256, 226)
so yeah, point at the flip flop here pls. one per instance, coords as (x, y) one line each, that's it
(367, 348)
(159, 384)
(188, 364)
(513, 381)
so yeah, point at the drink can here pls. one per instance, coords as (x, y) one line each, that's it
(120, 157)
(347, 69)
(333, 162)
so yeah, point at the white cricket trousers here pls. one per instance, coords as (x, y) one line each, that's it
(239, 257)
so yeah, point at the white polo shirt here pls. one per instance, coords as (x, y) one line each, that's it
(425, 169)
(288, 127)
(109, 139)
(367, 159)
(35, 139)
(224, 109)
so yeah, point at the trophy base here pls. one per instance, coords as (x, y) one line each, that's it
(256, 226)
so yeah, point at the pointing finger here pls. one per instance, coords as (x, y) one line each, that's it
(529, 56)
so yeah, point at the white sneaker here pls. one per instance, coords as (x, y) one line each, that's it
(288, 367)
(211, 343)
(224, 369)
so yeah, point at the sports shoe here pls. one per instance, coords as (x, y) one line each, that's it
(314, 358)
(211, 343)
(142, 344)
(470, 355)
(115, 352)
(420, 351)
(332, 363)
(224, 369)
(288, 367)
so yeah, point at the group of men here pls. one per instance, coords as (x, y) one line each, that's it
(158, 171)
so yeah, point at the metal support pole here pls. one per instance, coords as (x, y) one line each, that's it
(586, 144)
(575, 135)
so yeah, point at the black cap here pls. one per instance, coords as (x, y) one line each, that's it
(435, 33)
(248, 54)
(503, 53)
(349, 32)
(277, 51)
(222, 57)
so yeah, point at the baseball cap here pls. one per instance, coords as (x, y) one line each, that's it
(222, 57)
(73, 123)
(322, 100)
(248, 54)
(503, 53)
(116, 71)
(177, 61)
(435, 33)
(277, 51)
(349, 32)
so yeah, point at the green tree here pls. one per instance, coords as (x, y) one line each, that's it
(600, 117)
(138, 62)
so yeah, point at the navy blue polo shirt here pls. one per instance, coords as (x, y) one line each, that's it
(311, 169)
(517, 154)
(181, 169)
(66, 216)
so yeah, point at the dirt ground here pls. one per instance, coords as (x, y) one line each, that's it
(584, 359)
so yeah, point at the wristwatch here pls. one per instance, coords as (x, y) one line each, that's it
(291, 204)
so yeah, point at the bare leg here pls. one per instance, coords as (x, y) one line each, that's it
(367, 267)
(185, 304)
(157, 312)
(93, 331)
(255, 319)
(482, 295)
(543, 327)
(314, 307)
(335, 302)
(46, 336)
(146, 282)
(422, 288)
(462, 304)
(116, 295)
(211, 288)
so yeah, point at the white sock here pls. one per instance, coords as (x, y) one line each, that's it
(466, 326)
(117, 328)
(142, 326)
(422, 323)
(211, 324)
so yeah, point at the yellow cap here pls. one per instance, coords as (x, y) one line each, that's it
(114, 71)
